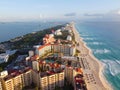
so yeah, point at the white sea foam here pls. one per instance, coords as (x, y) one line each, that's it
(84, 35)
(101, 51)
(89, 39)
(96, 43)
(118, 61)
(113, 66)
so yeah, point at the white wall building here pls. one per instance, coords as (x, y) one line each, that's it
(3, 73)
(69, 38)
(58, 32)
(4, 57)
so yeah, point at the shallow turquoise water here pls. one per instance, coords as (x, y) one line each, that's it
(104, 40)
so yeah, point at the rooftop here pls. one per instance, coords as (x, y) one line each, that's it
(52, 72)
(14, 73)
(80, 83)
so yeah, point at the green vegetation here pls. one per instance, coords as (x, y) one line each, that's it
(77, 52)
(28, 40)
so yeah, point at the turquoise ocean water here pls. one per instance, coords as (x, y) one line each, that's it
(103, 38)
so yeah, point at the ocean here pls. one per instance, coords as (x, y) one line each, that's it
(10, 30)
(103, 38)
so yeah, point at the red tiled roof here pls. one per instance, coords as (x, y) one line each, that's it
(43, 46)
(79, 70)
(35, 57)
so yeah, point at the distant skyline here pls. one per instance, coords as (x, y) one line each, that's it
(17, 10)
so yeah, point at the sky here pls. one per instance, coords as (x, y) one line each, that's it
(13, 10)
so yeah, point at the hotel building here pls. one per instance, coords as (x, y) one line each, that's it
(71, 72)
(66, 50)
(49, 80)
(36, 77)
(61, 77)
(42, 50)
(17, 80)
(27, 77)
(1, 86)
(8, 84)
(79, 83)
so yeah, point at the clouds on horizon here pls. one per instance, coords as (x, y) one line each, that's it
(95, 14)
(113, 15)
(70, 14)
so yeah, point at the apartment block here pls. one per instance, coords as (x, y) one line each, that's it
(69, 73)
(36, 77)
(35, 65)
(61, 79)
(8, 84)
(17, 81)
(27, 77)
(44, 83)
(1, 85)
(51, 81)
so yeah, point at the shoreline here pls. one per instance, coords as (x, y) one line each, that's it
(101, 77)
(101, 68)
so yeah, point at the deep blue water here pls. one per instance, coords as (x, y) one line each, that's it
(103, 38)
(11, 30)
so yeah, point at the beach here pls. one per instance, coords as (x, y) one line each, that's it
(92, 67)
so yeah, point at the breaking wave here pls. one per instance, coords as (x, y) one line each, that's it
(95, 43)
(112, 66)
(101, 51)
(89, 39)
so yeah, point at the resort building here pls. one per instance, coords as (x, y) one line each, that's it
(58, 32)
(8, 84)
(49, 38)
(4, 57)
(79, 83)
(67, 50)
(44, 83)
(27, 77)
(3, 73)
(69, 38)
(44, 49)
(1, 86)
(71, 72)
(17, 80)
(49, 75)
(61, 77)
(49, 80)
(31, 53)
(36, 77)
(35, 65)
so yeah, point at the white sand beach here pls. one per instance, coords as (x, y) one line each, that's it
(95, 66)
